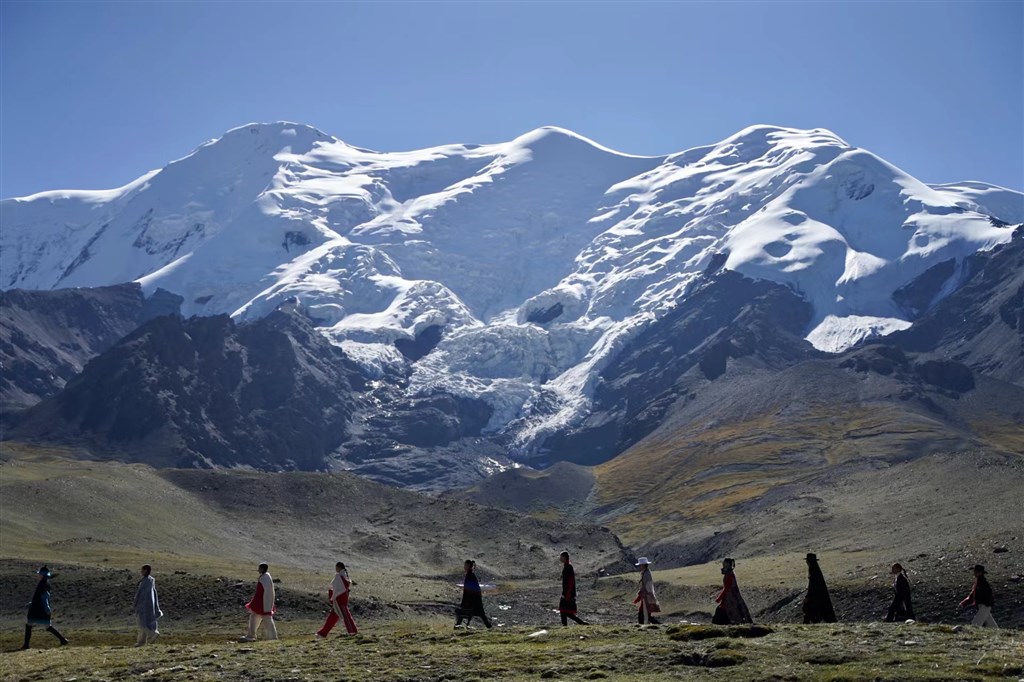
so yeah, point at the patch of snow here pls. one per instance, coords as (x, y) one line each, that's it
(834, 334)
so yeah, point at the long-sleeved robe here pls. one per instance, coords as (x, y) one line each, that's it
(731, 607)
(39, 612)
(817, 606)
(147, 604)
(901, 608)
(646, 596)
(567, 602)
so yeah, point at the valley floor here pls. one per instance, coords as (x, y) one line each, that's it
(432, 651)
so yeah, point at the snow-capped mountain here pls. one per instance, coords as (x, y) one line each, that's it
(528, 263)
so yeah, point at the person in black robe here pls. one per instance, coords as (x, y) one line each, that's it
(472, 598)
(567, 602)
(901, 608)
(817, 605)
(39, 612)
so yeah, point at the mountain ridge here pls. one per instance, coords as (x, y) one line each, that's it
(518, 270)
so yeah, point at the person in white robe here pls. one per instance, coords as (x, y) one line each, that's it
(147, 608)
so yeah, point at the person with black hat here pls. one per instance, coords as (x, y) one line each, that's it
(981, 596)
(39, 611)
(901, 608)
(817, 605)
(567, 602)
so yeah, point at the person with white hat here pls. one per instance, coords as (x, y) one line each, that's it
(645, 596)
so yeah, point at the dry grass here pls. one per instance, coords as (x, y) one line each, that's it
(702, 472)
(422, 652)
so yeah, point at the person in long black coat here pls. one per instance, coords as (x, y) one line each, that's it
(901, 608)
(39, 612)
(472, 598)
(817, 605)
(567, 602)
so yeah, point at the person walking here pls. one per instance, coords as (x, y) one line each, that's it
(567, 602)
(981, 596)
(645, 596)
(731, 607)
(817, 605)
(901, 608)
(337, 595)
(262, 607)
(147, 608)
(472, 598)
(39, 611)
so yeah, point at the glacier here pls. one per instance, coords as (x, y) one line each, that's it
(534, 261)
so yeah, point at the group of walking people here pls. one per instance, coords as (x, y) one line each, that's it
(731, 608)
(817, 604)
(263, 605)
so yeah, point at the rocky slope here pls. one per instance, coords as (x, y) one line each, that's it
(204, 391)
(46, 337)
(982, 322)
(272, 394)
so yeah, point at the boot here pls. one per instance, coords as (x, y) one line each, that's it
(53, 631)
(28, 636)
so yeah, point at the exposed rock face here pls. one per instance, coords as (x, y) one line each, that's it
(424, 342)
(981, 324)
(728, 317)
(917, 296)
(274, 394)
(46, 337)
(432, 442)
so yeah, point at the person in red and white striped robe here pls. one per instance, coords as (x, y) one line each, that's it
(337, 595)
(262, 608)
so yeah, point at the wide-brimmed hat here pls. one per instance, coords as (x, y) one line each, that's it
(43, 570)
(643, 561)
(811, 556)
(978, 568)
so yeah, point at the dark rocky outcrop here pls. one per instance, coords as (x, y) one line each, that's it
(46, 337)
(274, 394)
(727, 317)
(545, 315)
(981, 324)
(917, 296)
(271, 394)
(424, 342)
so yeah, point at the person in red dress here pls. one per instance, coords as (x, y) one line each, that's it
(731, 607)
(262, 607)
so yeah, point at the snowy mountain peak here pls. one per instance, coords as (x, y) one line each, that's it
(532, 261)
(552, 139)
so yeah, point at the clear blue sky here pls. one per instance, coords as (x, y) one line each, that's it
(93, 95)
